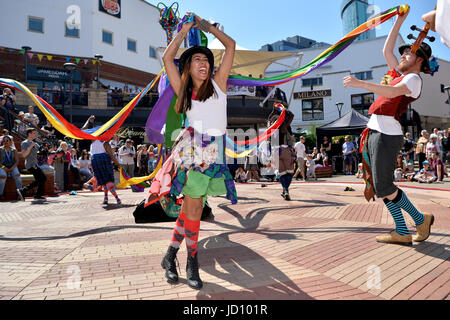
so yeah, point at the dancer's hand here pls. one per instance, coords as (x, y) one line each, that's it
(430, 17)
(350, 81)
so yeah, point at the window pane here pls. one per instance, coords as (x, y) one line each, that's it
(35, 24)
(107, 37)
(132, 45)
(72, 31)
(152, 52)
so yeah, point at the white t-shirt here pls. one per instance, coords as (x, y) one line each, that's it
(443, 21)
(300, 149)
(124, 155)
(210, 116)
(387, 124)
(97, 147)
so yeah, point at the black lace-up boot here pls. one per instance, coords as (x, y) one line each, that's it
(168, 263)
(192, 275)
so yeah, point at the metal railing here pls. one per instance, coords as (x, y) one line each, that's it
(55, 97)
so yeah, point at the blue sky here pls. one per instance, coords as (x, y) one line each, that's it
(254, 23)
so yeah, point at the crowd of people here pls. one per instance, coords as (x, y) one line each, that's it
(70, 160)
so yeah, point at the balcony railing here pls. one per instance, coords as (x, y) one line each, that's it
(54, 97)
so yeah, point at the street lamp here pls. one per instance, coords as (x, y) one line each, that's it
(98, 57)
(26, 48)
(70, 66)
(339, 106)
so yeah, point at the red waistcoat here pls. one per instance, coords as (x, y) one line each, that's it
(393, 107)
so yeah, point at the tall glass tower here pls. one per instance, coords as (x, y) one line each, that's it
(355, 13)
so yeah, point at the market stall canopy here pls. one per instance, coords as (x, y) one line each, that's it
(351, 123)
(247, 62)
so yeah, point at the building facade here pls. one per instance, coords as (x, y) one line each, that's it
(125, 33)
(355, 13)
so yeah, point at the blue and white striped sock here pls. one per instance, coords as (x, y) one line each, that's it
(402, 201)
(396, 212)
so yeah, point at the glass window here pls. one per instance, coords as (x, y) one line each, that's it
(312, 109)
(362, 102)
(131, 45)
(366, 75)
(107, 37)
(72, 31)
(36, 24)
(152, 52)
(311, 82)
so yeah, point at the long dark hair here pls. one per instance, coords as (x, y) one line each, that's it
(206, 90)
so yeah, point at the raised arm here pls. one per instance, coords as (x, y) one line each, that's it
(170, 54)
(391, 40)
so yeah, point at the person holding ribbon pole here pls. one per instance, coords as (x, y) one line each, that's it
(383, 137)
(198, 157)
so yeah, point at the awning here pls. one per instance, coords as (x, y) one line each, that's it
(247, 62)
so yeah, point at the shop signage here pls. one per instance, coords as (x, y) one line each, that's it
(51, 74)
(111, 7)
(312, 94)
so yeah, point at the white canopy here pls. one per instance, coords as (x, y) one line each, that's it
(248, 62)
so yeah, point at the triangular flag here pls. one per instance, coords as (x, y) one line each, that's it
(67, 58)
(40, 56)
(94, 61)
(49, 57)
(30, 55)
(86, 61)
(22, 51)
(77, 60)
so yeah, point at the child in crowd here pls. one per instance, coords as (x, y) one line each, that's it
(268, 172)
(426, 175)
(409, 172)
(151, 162)
(310, 167)
(359, 174)
(240, 175)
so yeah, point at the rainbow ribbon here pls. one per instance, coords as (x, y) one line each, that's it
(163, 113)
(103, 133)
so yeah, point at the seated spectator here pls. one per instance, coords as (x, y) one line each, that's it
(84, 164)
(324, 157)
(359, 174)
(9, 160)
(316, 156)
(310, 167)
(48, 129)
(240, 175)
(399, 169)
(31, 117)
(410, 172)
(438, 166)
(21, 124)
(268, 172)
(426, 174)
(5, 133)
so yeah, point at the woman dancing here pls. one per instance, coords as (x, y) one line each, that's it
(198, 154)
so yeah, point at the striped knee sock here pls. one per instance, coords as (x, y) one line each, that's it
(191, 231)
(402, 201)
(396, 212)
(105, 191)
(178, 231)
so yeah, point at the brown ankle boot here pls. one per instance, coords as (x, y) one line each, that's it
(395, 238)
(423, 231)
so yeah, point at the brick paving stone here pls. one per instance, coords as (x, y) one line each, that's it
(317, 246)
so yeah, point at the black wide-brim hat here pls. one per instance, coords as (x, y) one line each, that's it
(193, 50)
(424, 52)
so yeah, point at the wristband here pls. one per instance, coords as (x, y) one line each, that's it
(204, 25)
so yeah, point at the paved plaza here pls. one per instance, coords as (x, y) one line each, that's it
(321, 245)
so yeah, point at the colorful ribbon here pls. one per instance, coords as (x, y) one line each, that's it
(103, 133)
(168, 19)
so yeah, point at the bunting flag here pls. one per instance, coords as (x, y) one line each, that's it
(49, 57)
(30, 55)
(103, 133)
(77, 60)
(40, 56)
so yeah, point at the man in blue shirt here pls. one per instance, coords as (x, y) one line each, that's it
(347, 149)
